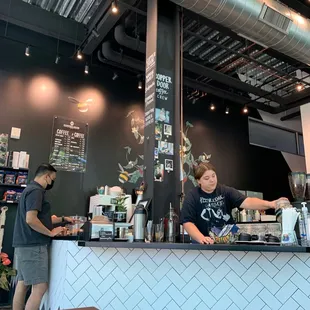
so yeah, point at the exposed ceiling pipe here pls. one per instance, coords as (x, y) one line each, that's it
(133, 63)
(123, 39)
(267, 22)
(112, 55)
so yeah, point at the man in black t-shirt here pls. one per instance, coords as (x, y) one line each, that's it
(210, 204)
(32, 235)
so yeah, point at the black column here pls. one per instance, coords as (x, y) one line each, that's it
(162, 108)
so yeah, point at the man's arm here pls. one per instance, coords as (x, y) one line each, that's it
(33, 221)
(253, 203)
(60, 219)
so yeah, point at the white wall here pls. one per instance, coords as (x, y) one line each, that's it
(305, 117)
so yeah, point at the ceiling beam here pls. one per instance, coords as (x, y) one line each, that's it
(230, 81)
(36, 19)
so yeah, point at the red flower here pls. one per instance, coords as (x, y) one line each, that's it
(3, 255)
(6, 262)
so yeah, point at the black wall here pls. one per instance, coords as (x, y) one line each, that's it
(225, 137)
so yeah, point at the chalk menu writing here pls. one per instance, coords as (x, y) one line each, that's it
(69, 141)
(163, 83)
(150, 89)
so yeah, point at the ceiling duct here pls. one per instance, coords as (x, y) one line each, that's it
(266, 22)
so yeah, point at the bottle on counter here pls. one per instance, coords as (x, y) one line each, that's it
(306, 220)
(172, 221)
(302, 229)
(243, 216)
(257, 216)
(249, 216)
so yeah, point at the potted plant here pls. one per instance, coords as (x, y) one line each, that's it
(5, 272)
(120, 209)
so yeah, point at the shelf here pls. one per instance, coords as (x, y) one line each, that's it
(13, 169)
(14, 185)
(8, 203)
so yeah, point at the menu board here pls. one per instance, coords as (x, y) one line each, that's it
(68, 148)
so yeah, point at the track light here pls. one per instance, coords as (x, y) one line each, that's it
(115, 76)
(212, 107)
(79, 55)
(299, 87)
(86, 70)
(245, 109)
(114, 7)
(57, 59)
(227, 110)
(27, 51)
(140, 85)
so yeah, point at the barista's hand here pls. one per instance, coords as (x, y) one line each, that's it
(205, 240)
(275, 204)
(56, 231)
(69, 219)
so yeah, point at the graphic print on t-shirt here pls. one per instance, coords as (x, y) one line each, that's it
(213, 210)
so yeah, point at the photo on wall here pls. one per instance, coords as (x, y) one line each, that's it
(161, 115)
(159, 172)
(165, 147)
(167, 130)
(158, 131)
(168, 164)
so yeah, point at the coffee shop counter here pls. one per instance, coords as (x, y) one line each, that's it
(177, 276)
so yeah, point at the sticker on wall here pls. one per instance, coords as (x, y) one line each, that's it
(159, 172)
(161, 115)
(165, 147)
(158, 131)
(156, 152)
(168, 165)
(167, 130)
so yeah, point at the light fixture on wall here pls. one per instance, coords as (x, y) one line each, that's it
(212, 107)
(245, 109)
(227, 110)
(27, 51)
(114, 7)
(57, 59)
(79, 55)
(86, 69)
(140, 86)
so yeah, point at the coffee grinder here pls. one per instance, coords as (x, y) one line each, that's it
(298, 185)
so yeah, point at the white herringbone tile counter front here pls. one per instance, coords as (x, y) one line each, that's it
(142, 279)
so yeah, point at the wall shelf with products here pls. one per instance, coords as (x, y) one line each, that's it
(2, 203)
(13, 169)
(13, 185)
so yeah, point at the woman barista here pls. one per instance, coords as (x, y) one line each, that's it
(210, 204)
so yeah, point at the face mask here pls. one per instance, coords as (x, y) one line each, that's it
(50, 186)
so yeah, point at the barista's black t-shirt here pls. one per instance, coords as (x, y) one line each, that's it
(209, 210)
(33, 198)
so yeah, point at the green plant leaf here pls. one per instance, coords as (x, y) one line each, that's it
(190, 177)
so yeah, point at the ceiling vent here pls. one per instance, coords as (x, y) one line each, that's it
(275, 19)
